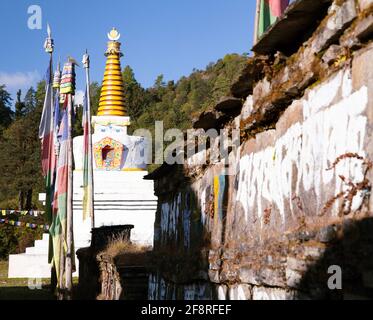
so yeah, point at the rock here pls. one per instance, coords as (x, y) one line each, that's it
(364, 29)
(248, 275)
(293, 91)
(262, 89)
(306, 235)
(314, 252)
(250, 74)
(280, 58)
(365, 4)
(296, 23)
(296, 264)
(240, 292)
(361, 75)
(214, 260)
(327, 234)
(228, 255)
(302, 235)
(263, 293)
(273, 277)
(332, 54)
(228, 275)
(222, 291)
(206, 120)
(228, 104)
(337, 22)
(214, 276)
(215, 264)
(293, 278)
(247, 108)
(308, 78)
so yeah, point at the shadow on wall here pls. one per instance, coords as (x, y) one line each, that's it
(190, 259)
(349, 260)
(182, 237)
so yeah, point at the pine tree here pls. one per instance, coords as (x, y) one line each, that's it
(136, 97)
(21, 180)
(30, 100)
(95, 91)
(6, 114)
(19, 106)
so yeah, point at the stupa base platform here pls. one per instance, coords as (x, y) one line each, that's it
(33, 264)
(128, 199)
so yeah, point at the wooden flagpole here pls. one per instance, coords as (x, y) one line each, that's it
(86, 64)
(54, 267)
(61, 284)
(69, 219)
(257, 19)
(49, 48)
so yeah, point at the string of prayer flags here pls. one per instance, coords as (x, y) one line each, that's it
(24, 224)
(34, 213)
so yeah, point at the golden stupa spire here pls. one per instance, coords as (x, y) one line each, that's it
(112, 102)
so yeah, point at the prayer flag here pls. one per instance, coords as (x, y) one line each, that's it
(87, 161)
(270, 11)
(48, 157)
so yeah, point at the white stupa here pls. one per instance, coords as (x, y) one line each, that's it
(121, 195)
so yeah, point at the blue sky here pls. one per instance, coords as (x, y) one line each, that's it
(169, 37)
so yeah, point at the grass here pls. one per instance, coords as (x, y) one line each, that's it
(119, 245)
(17, 289)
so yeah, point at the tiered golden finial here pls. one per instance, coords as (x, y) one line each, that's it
(112, 102)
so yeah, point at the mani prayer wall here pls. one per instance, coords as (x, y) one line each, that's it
(299, 198)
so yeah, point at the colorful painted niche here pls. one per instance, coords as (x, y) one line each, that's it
(108, 154)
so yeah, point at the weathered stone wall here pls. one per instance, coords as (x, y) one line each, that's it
(297, 196)
(103, 276)
(111, 287)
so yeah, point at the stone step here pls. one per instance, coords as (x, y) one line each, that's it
(42, 244)
(34, 266)
(29, 266)
(36, 250)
